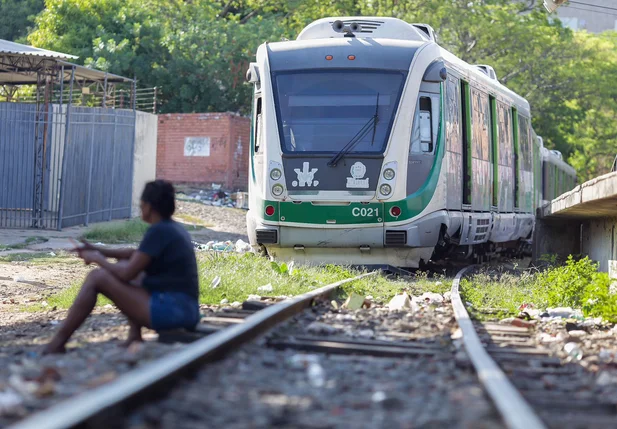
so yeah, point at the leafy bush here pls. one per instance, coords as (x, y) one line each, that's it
(576, 284)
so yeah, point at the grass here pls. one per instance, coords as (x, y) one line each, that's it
(29, 241)
(576, 284)
(242, 275)
(191, 221)
(40, 258)
(129, 231)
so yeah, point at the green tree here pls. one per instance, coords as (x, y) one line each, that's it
(16, 16)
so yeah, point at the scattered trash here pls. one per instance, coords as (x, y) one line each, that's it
(514, 321)
(316, 374)
(320, 328)
(253, 298)
(607, 356)
(366, 333)
(51, 254)
(44, 304)
(574, 351)
(265, 288)
(400, 302)
(217, 197)
(354, 301)
(577, 333)
(314, 371)
(22, 386)
(242, 246)
(432, 298)
(334, 304)
(9, 400)
(378, 396)
(224, 301)
(565, 313)
(18, 279)
(236, 304)
(447, 297)
(605, 378)
(105, 378)
(215, 282)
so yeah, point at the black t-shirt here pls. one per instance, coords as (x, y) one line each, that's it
(173, 267)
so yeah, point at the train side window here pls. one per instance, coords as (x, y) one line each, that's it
(426, 127)
(422, 131)
(258, 126)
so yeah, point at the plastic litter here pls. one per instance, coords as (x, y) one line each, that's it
(215, 282)
(431, 298)
(9, 400)
(565, 313)
(253, 298)
(265, 288)
(574, 351)
(400, 302)
(314, 371)
(242, 246)
(354, 301)
(607, 356)
(316, 374)
(605, 378)
(320, 328)
(224, 301)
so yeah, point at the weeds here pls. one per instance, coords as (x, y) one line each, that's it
(576, 284)
(129, 231)
(242, 274)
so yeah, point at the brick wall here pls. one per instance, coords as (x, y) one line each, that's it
(218, 152)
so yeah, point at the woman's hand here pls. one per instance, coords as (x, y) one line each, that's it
(91, 256)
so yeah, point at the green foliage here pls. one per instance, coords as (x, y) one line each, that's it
(16, 16)
(198, 51)
(576, 284)
(129, 231)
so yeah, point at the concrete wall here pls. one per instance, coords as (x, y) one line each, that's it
(582, 221)
(144, 160)
(204, 148)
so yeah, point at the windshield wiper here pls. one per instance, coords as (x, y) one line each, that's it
(371, 124)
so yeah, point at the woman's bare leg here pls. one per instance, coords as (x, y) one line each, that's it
(134, 302)
(134, 334)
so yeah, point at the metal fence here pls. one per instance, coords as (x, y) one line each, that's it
(63, 165)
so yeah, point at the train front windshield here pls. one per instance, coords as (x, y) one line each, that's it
(326, 111)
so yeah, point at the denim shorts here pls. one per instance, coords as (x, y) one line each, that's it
(173, 310)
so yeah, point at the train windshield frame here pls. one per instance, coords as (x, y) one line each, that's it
(325, 111)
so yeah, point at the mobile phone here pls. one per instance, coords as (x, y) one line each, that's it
(76, 244)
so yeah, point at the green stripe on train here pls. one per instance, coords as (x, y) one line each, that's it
(308, 213)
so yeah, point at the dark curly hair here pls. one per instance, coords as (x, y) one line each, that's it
(161, 195)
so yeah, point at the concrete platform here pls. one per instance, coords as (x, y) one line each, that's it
(582, 221)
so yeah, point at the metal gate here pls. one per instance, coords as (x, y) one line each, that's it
(63, 165)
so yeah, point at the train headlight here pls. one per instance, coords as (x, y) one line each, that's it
(277, 190)
(385, 189)
(276, 174)
(389, 174)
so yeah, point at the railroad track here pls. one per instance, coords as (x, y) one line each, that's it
(292, 358)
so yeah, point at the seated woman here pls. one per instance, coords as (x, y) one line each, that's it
(167, 297)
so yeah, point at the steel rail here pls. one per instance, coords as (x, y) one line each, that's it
(515, 411)
(111, 400)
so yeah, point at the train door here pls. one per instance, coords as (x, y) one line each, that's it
(454, 143)
(516, 157)
(466, 120)
(495, 153)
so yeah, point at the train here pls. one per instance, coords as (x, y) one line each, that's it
(373, 145)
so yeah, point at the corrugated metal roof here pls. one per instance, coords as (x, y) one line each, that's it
(7, 47)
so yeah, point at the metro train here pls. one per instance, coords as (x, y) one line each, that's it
(373, 145)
